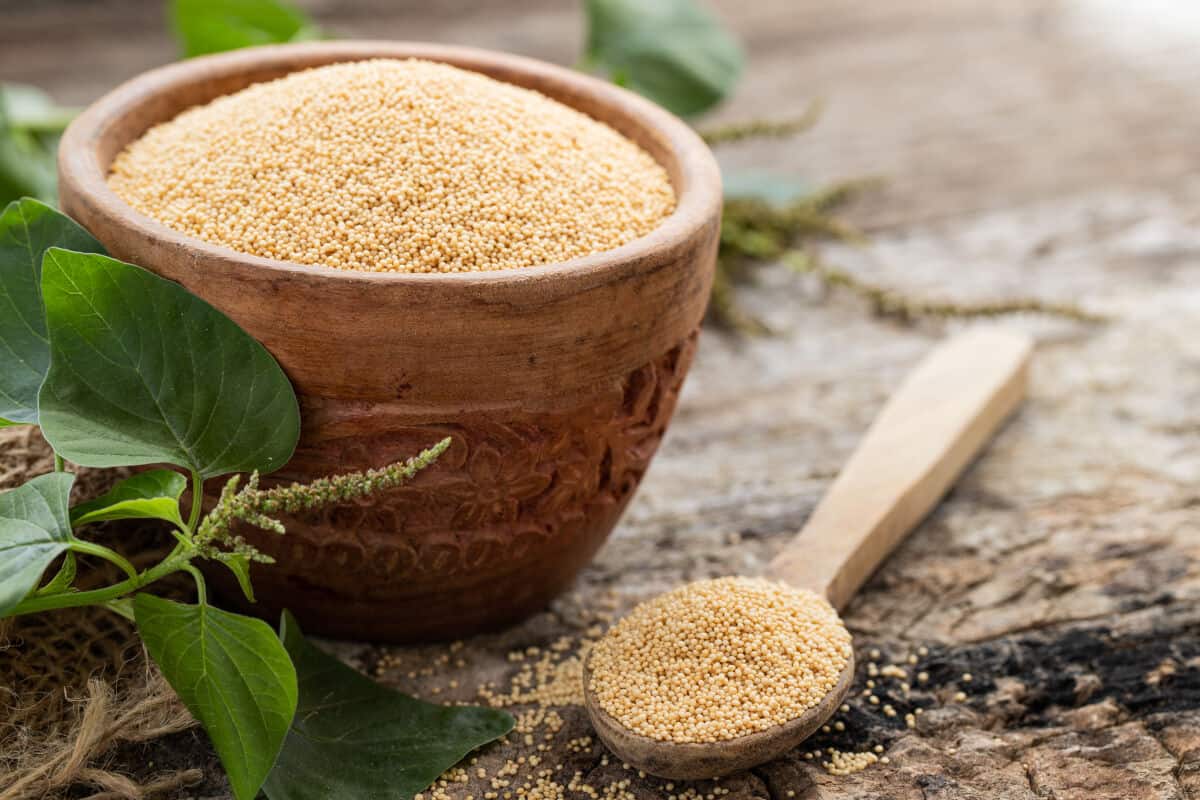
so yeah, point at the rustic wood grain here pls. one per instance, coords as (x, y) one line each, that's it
(1032, 147)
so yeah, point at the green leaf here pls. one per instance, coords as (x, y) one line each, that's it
(147, 495)
(25, 107)
(122, 606)
(213, 26)
(239, 565)
(232, 673)
(29, 124)
(20, 102)
(355, 739)
(27, 229)
(142, 372)
(26, 168)
(34, 530)
(672, 51)
(63, 578)
(4, 423)
(767, 186)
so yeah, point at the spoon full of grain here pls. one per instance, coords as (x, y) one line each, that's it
(719, 676)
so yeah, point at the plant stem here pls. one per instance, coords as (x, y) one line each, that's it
(889, 303)
(100, 551)
(724, 309)
(59, 465)
(764, 128)
(197, 502)
(171, 564)
(201, 591)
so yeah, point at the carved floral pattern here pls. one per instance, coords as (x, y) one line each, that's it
(513, 487)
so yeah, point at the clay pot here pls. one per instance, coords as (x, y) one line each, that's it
(555, 383)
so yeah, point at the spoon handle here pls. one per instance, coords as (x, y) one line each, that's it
(922, 440)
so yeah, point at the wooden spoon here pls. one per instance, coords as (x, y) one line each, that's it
(926, 435)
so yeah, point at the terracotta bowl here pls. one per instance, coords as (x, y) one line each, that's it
(555, 382)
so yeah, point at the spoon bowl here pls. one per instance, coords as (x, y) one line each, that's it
(700, 760)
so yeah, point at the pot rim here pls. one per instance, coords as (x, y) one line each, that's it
(694, 170)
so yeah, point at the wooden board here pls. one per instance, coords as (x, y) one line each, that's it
(1033, 147)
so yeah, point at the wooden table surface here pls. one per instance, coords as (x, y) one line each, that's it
(1031, 147)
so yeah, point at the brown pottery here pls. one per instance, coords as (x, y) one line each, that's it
(555, 382)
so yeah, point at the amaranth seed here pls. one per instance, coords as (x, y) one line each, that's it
(718, 659)
(395, 166)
